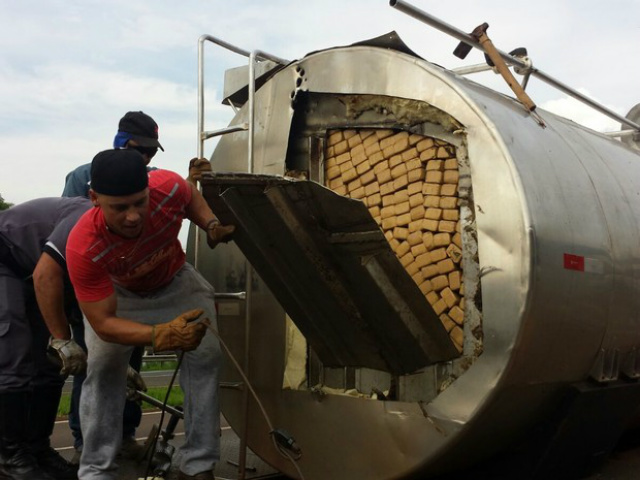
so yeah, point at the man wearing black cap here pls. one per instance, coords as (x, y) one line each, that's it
(129, 273)
(140, 128)
(33, 238)
(138, 131)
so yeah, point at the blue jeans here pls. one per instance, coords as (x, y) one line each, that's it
(132, 411)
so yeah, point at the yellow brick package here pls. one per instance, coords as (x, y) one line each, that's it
(410, 185)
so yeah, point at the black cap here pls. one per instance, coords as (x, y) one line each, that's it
(142, 128)
(119, 172)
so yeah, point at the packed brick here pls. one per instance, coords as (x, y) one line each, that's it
(409, 183)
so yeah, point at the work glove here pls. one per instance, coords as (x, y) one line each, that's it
(216, 233)
(68, 355)
(135, 382)
(197, 166)
(181, 333)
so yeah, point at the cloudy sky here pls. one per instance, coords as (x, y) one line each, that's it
(69, 69)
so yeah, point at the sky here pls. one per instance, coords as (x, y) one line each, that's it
(70, 69)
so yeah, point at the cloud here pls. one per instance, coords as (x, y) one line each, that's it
(581, 113)
(75, 86)
(69, 69)
(57, 117)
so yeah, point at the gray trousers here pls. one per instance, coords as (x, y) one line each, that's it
(103, 392)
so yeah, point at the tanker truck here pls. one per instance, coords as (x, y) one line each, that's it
(425, 272)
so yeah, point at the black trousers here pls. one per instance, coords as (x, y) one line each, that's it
(23, 338)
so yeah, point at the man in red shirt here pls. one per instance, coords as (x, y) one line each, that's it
(129, 274)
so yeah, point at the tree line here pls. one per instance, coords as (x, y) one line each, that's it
(3, 204)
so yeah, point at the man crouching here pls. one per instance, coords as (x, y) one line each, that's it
(129, 273)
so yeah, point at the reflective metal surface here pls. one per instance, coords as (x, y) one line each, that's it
(332, 269)
(555, 216)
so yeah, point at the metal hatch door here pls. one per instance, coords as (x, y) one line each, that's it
(329, 265)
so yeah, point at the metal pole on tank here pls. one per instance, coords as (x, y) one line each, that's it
(202, 134)
(249, 269)
(242, 460)
(200, 150)
(438, 24)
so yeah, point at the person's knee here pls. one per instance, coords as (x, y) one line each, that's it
(210, 348)
(106, 370)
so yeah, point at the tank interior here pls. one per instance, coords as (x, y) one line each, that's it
(407, 162)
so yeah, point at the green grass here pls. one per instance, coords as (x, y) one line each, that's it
(65, 405)
(151, 366)
(175, 398)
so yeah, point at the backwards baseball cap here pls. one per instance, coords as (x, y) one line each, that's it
(119, 172)
(141, 128)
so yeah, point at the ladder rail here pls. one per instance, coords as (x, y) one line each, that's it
(203, 135)
(201, 100)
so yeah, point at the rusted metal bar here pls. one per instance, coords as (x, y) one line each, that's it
(438, 24)
(480, 34)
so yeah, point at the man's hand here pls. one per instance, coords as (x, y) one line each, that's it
(216, 233)
(135, 382)
(197, 166)
(69, 355)
(181, 333)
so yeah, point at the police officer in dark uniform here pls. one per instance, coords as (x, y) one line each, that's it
(33, 284)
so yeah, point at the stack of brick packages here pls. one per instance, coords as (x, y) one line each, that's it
(409, 183)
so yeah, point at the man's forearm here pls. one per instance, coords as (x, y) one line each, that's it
(109, 327)
(122, 331)
(48, 281)
(198, 210)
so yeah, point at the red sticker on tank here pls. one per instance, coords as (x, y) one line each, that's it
(573, 262)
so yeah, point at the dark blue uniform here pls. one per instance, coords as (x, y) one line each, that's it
(30, 384)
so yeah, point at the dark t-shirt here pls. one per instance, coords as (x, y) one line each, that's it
(32, 227)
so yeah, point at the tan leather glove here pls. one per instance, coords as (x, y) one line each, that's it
(181, 333)
(216, 233)
(197, 166)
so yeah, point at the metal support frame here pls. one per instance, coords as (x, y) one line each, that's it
(203, 135)
(438, 24)
(477, 68)
(621, 133)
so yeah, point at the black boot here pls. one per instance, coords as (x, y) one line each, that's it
(16, 460)
(42, 417)
(57, 467)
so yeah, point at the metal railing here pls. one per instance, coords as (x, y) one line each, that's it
(253, 56)
(525, 67)
(203, 135)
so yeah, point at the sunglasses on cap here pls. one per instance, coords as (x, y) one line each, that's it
(148, 151)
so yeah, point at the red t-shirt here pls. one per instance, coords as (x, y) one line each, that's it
(98, 258)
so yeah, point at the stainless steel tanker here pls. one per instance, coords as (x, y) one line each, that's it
(351, 344)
